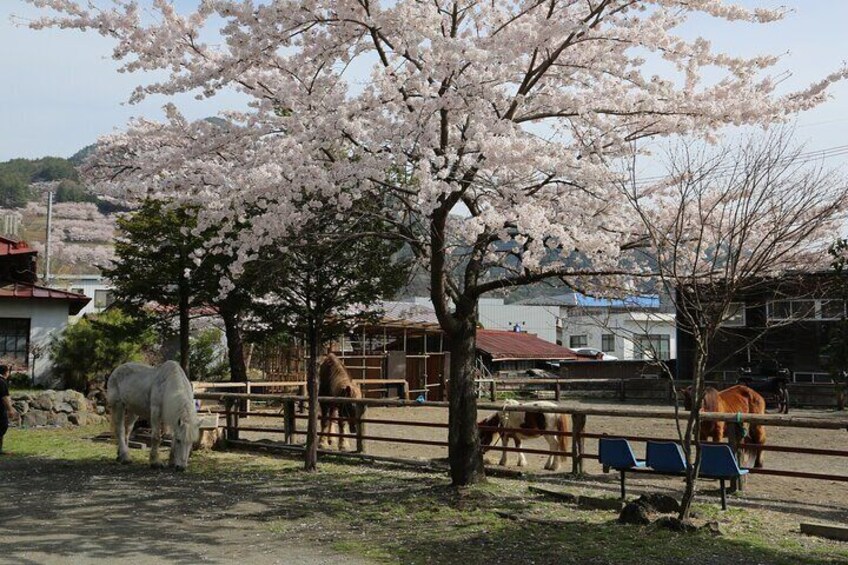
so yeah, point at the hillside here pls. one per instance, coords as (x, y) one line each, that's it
(83, 227)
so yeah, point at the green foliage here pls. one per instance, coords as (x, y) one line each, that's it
(14, 190)
(19, 380)
(206, 361)
(41, 170)
(89, 350)
(72, 191)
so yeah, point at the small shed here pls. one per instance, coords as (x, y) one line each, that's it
(517, 352)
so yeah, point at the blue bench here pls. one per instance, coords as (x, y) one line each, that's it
(616, 453)
(719, 462)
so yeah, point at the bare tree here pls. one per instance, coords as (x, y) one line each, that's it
(725, 225)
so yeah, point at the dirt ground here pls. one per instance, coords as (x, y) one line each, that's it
(820, 499)
(75, 512)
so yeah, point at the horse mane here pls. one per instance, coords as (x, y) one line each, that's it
(712, 400)
(334, 378)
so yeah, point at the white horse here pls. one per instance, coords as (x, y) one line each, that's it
(529, 425)
(161, 395)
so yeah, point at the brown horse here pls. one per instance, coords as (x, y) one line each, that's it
(334, 380)
(531, 425)
(734, 400)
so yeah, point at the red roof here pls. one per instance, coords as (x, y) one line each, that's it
(504, 346)
(12, 247)
(25, 291)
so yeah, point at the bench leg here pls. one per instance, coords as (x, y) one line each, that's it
(723, 495)
(623, 492)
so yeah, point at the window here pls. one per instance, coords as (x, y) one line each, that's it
(653, 346)
(806, 309)
(608, 343)
(576, 341)
(735, 315)
(14, 340)
(103, 299)
(832, 309)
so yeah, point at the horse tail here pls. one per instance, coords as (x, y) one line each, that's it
(562, 437)
(757, 432)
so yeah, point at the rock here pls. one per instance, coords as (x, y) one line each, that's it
(22, 396)
(77, 400)
(634, 513)
(21, 406)
(44, 401)
(675, 525)
(712, 527)
(100, 410)
(63, 407)
(61, 419)
(36, 418)
(660, 503)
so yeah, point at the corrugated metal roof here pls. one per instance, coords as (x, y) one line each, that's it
(25, 291)
(503, 346)
(576, 299)
(12, 247)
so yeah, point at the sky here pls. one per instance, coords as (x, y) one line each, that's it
(61, 91)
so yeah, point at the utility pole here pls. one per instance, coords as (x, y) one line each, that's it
(47, 240)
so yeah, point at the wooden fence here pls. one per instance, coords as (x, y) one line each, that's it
(233, 413)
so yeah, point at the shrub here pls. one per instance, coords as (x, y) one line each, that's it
(206, 359)
(89, 350)
(19, 380)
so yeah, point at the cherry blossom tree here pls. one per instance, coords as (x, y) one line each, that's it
(723, 227)
(491, 126)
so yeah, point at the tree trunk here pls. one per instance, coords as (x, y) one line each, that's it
(466, 459)
(311, 453)
(235, 346)
(185, 326)
(692, 436)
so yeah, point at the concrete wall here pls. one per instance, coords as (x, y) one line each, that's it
(88, 284)
(47, 319)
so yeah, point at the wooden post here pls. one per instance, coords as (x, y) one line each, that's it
(621, 390)
(301, 391)
(289, 422)
(578, 443)
(735, 433)
(360, 433)
(247, 401)
(493, 390)
(228, 418)
(237, 407)
(557, 391)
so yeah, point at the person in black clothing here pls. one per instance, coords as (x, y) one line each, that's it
(7, 411)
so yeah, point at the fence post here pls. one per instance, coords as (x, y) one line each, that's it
(228, 416)
(622, 393)
(247, 401)
(360, 431)
(289, 422)
(493, 391)
(557, 391)
(237, 405)
(578, 443)
(735, 434)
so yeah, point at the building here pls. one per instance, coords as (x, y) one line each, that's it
(31, 315)
(494, 314)
(782, 323)
(509, 353)
(95, 287)
(633, 328)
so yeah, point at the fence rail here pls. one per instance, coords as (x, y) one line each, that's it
(233, 411)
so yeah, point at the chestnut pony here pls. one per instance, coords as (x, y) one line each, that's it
(334, 380)
(733, 400)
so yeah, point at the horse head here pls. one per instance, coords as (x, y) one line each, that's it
(487, 428)
(186, 432)
(686, 393)
(351, 411)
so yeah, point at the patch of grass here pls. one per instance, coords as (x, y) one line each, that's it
(399, 516)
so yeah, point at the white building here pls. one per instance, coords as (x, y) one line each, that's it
(632, 328)
(95, 287)
(31, 315)
(495, 315)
